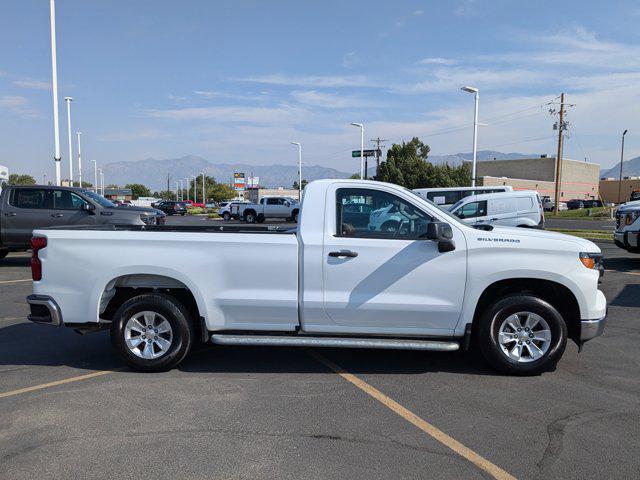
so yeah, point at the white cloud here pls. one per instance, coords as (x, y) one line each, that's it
(436, 61)
(313, 81)
(417, 12)
(31, 83)
(258, 115)
(134, 135)
(349, 59)
(328, 100)
(18, 105)
(465, 8)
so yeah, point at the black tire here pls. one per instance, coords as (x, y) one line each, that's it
(183, 214)
(183, 331)
(294, 217)
(226, 216)
(3, 253)
(492, 319)
(250, 217)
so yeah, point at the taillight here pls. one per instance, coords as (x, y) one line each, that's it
(37, 244)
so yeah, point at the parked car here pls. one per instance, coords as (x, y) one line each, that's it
(230, 209)
(592, 203)
(172, 207)
(627, 232)
(25, 208)
(434, 284)
(635, 195)
(445, 197)
(575, 204)
(191, 203)
(510, 209)
(548, 203)
(270, 207)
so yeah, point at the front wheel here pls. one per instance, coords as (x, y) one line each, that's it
(294, 217)
(226, 216)
(152, 332)
(522, 335)
(3, 253)
(250, 217)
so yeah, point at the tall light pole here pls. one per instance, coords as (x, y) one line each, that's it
(621, 160)
(181, 190)
(299, 169)
(361, 147)
(54, 81)
(195, 188)
(186, 183)
(44, 178)
(204, 194)
(79, 159)
(98, 185)
(475, 131)
(95, 176)
(177, 189)
(69, 100)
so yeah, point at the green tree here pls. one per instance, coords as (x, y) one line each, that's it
(17, 179)
(407, 165)
(165, 195)
(304, 184)
(138, 190)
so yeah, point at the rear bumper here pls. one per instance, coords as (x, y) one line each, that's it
(44, 309)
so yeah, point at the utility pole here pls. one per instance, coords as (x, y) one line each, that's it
(559, 157)
(54, 82)
(168, 181)
(69, 100)
(95, 176)
(378, 141)
(621, 160)
(79, 159)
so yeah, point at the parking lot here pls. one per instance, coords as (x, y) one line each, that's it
(70, 410)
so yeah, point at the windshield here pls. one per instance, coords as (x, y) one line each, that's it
(98, 198)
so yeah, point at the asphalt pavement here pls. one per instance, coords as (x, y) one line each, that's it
(68, 408)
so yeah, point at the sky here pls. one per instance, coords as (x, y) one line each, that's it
(237, 81)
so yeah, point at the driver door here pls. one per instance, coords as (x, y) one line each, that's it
(389, 282)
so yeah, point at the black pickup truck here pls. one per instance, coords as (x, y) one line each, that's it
(24, 208)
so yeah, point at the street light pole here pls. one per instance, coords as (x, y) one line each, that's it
(621, 160)
(69, 100)
(54, 82)
(204, 195)
(195, 188)
(186, 182)
(299, 169)
(95, 176)
(361, 147)
(177, 189)
(79, 159)
(476, 92)
(99, 182)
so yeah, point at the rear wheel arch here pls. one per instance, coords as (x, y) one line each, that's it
(556, 294)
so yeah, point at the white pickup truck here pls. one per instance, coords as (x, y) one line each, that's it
(627, 232)
(269, 207)
(433, 283)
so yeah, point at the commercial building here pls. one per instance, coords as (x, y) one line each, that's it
(609, 189)
(579, 179)
(121, 194)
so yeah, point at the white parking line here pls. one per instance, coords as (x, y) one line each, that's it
(16, 281)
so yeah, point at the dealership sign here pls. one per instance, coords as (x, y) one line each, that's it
(238, 181)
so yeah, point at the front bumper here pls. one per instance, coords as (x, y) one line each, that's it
(626, 239)
(44, 309)
(592, 328)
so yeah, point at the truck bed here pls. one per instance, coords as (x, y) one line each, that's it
(180, 228)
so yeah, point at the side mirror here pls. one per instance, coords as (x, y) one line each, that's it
(89, 208)
(287, 204)
(442, 233)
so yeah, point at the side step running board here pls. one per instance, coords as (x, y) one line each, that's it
(339, 342)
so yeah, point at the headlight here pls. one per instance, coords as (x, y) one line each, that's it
(592, 260)
(148, 219)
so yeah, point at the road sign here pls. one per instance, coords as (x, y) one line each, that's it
(367, 153)
(238, 181)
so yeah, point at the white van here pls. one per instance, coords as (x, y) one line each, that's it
(510, 209)
(445, 197)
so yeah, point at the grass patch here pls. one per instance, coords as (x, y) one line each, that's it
(213, 215)
(588, 234)
(598, 213)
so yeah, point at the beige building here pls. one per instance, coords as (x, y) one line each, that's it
(579, 179)
(609, 189)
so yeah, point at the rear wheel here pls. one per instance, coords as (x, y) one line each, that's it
(152, 332)
(250, 217)
(390, 226)
(522, 335)
(3, 253)
(226, 216)
(294, 217)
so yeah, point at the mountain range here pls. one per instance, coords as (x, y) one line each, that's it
(631, 168)
(153, 172)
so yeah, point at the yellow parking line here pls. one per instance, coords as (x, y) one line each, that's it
(20, 391)
(16, 281)
(434, 432)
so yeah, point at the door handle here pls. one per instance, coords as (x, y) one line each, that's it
(12, 214)
(344, 253)
(57, 215)
(494, 219)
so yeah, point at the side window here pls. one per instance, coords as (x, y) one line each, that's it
(272, 201)
(66, 200)
(503, 206)
(29, 198)
(368, 213)
(472, 210)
